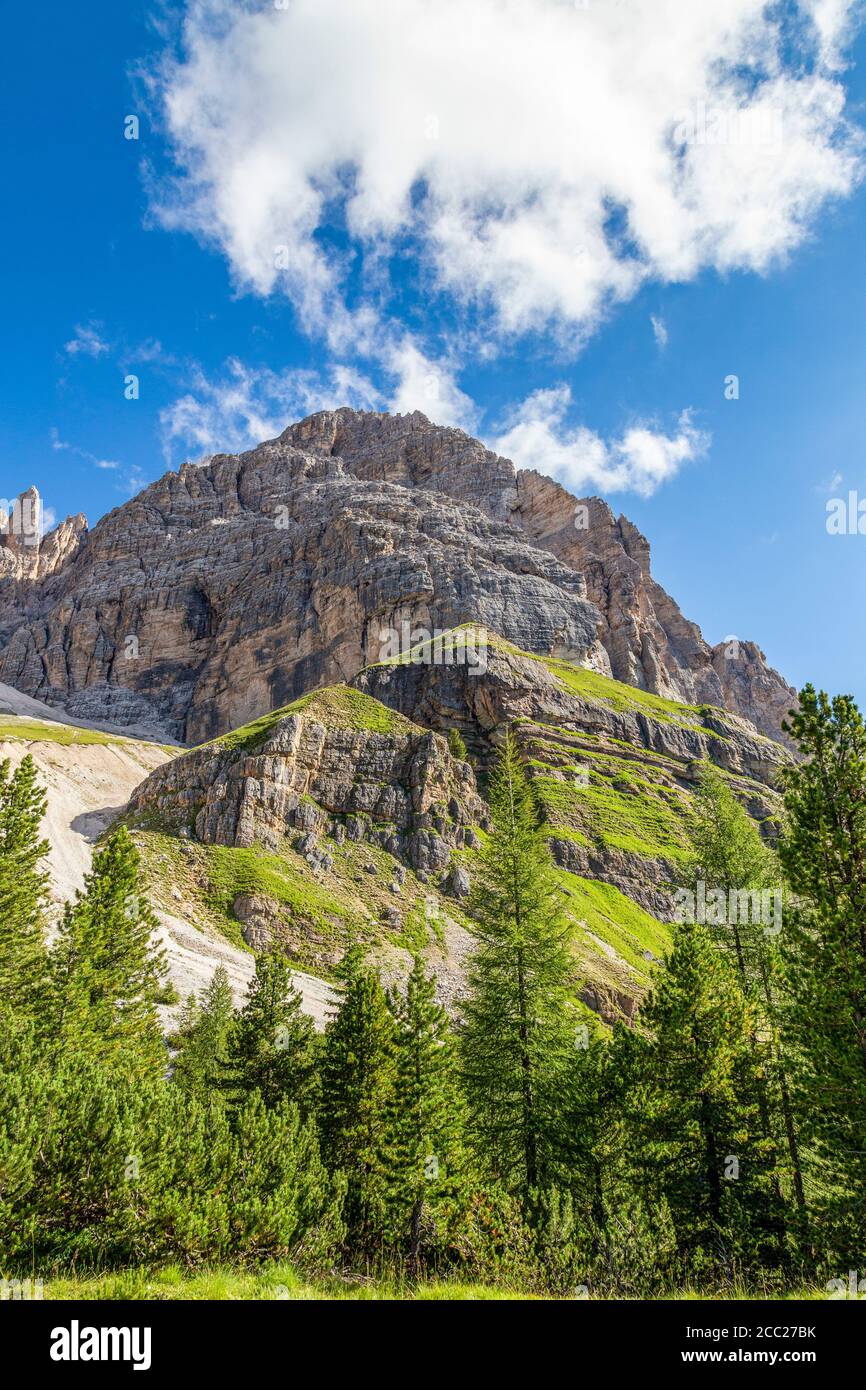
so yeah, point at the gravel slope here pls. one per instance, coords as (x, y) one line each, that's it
(88, 784)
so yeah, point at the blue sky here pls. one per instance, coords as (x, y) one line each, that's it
(759, 270)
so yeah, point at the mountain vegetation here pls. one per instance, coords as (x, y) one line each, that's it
(713, 1141)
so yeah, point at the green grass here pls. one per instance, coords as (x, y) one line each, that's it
(431, 649)
(274, 1282)
(35, 731)
(282, 1282)
(646, 820)
(285, 878)
(337, 707)
(579, 680)
(615, 919)
(566, 832)
(348, 905)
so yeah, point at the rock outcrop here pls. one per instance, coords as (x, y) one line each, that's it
(229, 588)
(88, 775)
(518, 687)
(330, 767)
(645, 639)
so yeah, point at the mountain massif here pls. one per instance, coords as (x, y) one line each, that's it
(302, 615)
(232, 587)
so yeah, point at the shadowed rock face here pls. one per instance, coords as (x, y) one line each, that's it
(227, 589)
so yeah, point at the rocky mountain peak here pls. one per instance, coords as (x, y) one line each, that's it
(226, 589)
(26, 551)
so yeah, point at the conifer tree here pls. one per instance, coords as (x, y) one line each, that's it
(202, 1038)
(823, 852)
(457, 745)
(99, 1166)
(107, 973)
(272, 1045)
(728, 855)
(425, 1119)
(592, 1102)
(632, 1242)
(519, 1033)
(23, 887)
(357, 1074)
(695, 1133)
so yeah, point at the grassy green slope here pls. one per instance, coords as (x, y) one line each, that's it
(321, 913)
(337, 706)
(13, 726)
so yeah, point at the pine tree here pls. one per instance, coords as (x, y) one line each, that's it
(628, 1230)
(591, 1102)
(107, 973)
(272, 1044)
(457, 745)
(425, 1119)
(23, 887)
(519, 1033)
(823, 853)
(357, 1073)
(101, 1167)
(695, 1134)
(727, 855)
(202, 1038)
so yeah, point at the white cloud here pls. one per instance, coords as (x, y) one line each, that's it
(151, 351)
(830, 484)
(537, 436)
(133, 481)
(660, 331)
(428, 386)
(61, 444)
(543, 159)
(86, 341)
(243, 405)
(834, 21)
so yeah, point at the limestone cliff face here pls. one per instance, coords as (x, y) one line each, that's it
(227, 589)
(517, 687)
(320, 772)
(645, 639)
(28, 558)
